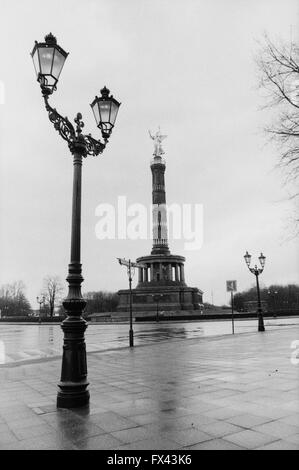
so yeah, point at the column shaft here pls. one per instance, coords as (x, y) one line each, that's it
(152, 272)
(182, 273)
(176, 273)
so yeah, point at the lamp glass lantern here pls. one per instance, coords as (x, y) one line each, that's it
(247, 258)
(48, 59)
(262, 260)
(105, 109)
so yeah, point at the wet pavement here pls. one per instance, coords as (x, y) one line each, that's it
(229, 392)
(27, 342)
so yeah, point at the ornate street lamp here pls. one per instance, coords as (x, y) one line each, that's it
(257, 271)
(105, 111)
(48, 59)
(247, 258)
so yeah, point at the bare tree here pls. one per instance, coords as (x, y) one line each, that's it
(279, 78)
(13, 301)
(100, 301)
(52, 291)
(277, 297)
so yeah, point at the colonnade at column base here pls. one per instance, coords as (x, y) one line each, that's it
(161, 269)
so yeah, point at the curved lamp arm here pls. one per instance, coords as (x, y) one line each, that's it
(67, 131)
(93, 147)
(61, 124)
(257, 271)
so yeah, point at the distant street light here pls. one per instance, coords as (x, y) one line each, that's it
(130, 265)
(257, 271)
(48, 58)
(40, 301)
(273, 296)
(157, 298)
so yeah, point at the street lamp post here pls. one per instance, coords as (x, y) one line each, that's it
(273, 298)
(48, 59)
(257, 271)
(130, 271)
(157, 298)
(40, 302)
(232, 306)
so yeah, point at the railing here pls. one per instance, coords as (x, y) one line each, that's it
(158, 160)
(160, 241)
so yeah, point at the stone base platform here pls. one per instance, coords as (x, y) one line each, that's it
(148, 314)
(175, 298)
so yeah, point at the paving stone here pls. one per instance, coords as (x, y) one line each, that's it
(110, 421)
(7, 438)
(215, 444)
(150, 444)
(248, 420)
(133, 434)
(80, 432)
(294, 438)
(277, 429)
(187, 437)
(32, 432)
(4, 428)
(292, 419)
(46, 442)
(17, 424)
(212, 393)
(145, 418)
(220, 428)
(280, 445)
(104, 441)
(250, 439)
(222, 413)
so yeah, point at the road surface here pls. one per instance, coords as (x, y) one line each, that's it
(27, 342)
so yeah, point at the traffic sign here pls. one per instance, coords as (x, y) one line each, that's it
(129, 263)
(231, 286)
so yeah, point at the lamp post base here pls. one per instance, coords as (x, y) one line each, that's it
(73, 385)
(73, 396)
(261, 326)
(131, 337)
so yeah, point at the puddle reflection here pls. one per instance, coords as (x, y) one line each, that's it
(165, 332)
(51, 334)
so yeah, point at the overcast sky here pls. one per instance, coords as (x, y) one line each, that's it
(185, 65)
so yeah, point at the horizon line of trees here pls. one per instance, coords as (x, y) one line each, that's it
(276, 297)
(13, 301)
(97, 302)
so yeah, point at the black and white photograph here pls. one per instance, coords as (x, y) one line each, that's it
(149, 228)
